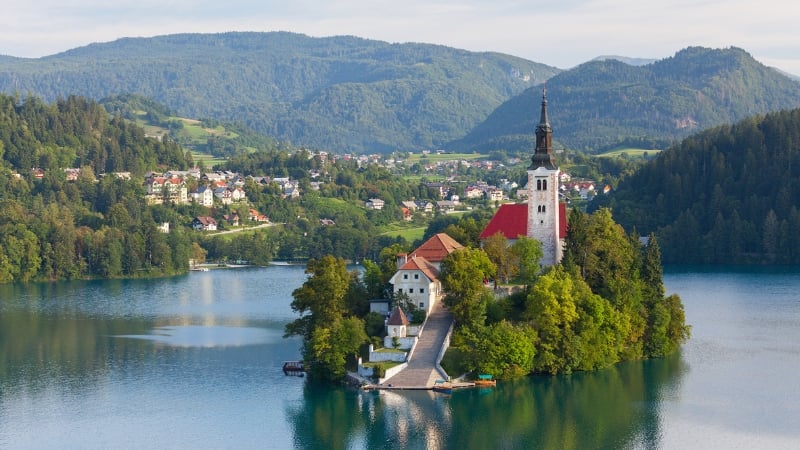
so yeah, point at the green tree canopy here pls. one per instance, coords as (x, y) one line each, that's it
(463, 274)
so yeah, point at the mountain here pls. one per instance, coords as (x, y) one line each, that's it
(727, 195)
(626, 59)
(340, 93)
(603, 104)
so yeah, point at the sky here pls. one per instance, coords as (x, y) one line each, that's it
(561, 33)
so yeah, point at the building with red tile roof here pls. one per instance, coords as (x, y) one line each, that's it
(417, 273)
(511, 220)
(543, 217)
(436, 249)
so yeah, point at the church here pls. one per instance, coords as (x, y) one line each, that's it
(544, 217)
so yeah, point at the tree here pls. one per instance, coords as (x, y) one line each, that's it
(329, 333)
(501, 349)
(551, 308)
(462, 276)
(499, 253)
(576, 329)
(527, 253)
(321, 296)
(652, 273)
(374, 279)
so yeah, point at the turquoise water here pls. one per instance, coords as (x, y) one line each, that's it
(194, 362)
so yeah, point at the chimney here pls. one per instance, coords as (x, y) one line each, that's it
(402, 259)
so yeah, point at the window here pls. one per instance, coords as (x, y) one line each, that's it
(405, 276)
(421, 290)
(422, 305)
(538, 185)
(410, 290)
(544, 185)
(400, 290)
(416, 276)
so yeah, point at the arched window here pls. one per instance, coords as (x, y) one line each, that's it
(538, 185)
(544, 185)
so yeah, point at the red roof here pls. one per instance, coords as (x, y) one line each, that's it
(397, 317)
(422, 264)
(437, 248)
(512, 221)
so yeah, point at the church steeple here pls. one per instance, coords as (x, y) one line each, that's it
(543, 155)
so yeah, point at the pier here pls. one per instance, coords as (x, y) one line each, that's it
(422, 373)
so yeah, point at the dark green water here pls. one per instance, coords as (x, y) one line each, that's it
(194, 362)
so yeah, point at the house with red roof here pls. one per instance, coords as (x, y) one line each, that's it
(436, 249)
(417, 273)
(397, 327)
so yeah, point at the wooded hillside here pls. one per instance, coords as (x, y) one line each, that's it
(602, 104)
(336, 94)
(727, 195)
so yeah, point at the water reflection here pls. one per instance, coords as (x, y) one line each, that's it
(209, 336)
(613, 408)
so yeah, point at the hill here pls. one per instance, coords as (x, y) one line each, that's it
(340, 93)
(626, 59)
(89, 226)
(727, 195)
(209, 140)
(602, 104)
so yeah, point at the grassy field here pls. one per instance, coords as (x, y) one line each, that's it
(410, 234)
(192, 133)
(632, 152)
(208, 161)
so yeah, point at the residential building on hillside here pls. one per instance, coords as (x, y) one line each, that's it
(375, 203)
(204, 223)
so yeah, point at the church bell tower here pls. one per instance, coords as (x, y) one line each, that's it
(543, 187)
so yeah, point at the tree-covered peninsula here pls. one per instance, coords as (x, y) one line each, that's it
(604, 303)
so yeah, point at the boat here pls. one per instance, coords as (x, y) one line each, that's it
(442, 387)
(295, 368)
(485, 380)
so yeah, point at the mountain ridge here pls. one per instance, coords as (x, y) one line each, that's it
(350, 94)
(340, 93)
(602, 104)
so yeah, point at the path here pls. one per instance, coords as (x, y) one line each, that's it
(421, 370)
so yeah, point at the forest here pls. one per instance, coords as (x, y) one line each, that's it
(52, 229)
(727, 195)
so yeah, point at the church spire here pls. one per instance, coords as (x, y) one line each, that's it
(543, 155)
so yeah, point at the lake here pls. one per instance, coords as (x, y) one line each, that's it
(195, 362)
